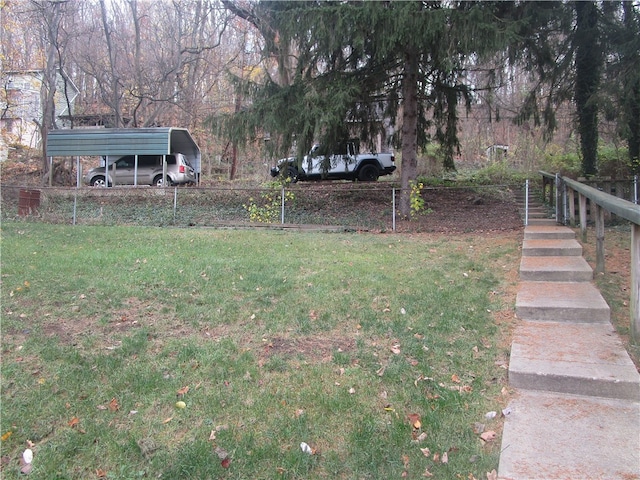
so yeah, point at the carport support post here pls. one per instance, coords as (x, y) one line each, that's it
(51, 171)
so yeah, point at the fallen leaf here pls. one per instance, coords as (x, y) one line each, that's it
(113, 405)
(455, 378)
(426, 452)
(395, 349)
(427, 473)
(101, 407)
(212, 436)
(225, 463)
(422, 437)
(183, 391)
(436, 457)
(445, 457)
(101, 473)
(6, 436)
(414, 419)
(26, 469)
(405, 461)
(488, 436)
(492, 475)
(167, 420)
(74, 422)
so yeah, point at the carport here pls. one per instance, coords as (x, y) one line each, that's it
(106, 142)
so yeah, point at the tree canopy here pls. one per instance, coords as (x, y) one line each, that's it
(344, 68)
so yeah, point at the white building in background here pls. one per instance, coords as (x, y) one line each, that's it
(21, 107)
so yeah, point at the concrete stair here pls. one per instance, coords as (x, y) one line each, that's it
(576, 413)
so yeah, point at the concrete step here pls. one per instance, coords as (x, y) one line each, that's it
(548, 232)
(542, 221)
(561, 302)
(555, 248)
(560, 437)
(555, 269)
(574, 358)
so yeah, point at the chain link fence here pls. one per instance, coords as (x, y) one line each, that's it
(345, 205)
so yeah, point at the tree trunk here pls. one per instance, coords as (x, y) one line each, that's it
(115, 79)
(409, 164)
(588, 66)
(632, 98)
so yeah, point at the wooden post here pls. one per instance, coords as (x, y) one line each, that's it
(572, 208)
(582, 205)
(599, 214)
(635, 283)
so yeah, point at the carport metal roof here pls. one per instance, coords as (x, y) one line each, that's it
(123, 141)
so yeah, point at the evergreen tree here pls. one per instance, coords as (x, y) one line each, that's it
(349, 63)
(588, 64)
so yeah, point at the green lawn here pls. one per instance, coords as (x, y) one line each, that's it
(369, 348)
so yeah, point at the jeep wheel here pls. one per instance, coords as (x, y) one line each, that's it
(292, 173)
(368, 173)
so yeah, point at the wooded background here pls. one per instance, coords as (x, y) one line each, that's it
(252, 80)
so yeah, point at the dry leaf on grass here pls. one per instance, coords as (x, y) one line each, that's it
(488, 436)
(183, 391)
(414, 419)
(113, 405)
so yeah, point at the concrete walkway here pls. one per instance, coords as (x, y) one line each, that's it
(576, 411)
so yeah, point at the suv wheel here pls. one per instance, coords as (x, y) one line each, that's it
(159, 183)
(368, 173)
(98, 181)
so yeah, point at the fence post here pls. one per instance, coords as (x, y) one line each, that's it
(175, 203)
(282, 207)
(393, 209)
(75, 205)
(635, 189)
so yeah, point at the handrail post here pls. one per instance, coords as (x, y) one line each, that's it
(557, 192)
(599, 214)
(572, 207)
(635, 283)
(526, 203)
(582, 206)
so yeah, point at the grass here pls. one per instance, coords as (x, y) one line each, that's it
(281, 338)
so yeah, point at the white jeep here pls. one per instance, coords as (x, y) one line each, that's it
(346, 165)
